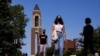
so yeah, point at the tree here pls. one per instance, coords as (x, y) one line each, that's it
(12, 27)
(18, 22)
(97, 39)
(5, 27)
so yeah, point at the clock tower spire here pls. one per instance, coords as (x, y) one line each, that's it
(36, 29)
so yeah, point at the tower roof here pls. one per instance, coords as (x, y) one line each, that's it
(36, 7)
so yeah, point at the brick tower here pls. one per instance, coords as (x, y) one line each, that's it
(36, 29)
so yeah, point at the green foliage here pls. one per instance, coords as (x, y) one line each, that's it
(97, 38)
(12, 26)
(98, 50)
(67, 53)
(19, 53)
(5, 27)
(18, 22)
(49, 51)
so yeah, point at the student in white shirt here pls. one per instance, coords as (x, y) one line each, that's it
(59, 36)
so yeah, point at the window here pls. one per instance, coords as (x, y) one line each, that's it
(36, 21)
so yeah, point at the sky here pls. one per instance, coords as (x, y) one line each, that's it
(73, 13)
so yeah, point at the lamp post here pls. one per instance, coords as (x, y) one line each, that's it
(15, 45)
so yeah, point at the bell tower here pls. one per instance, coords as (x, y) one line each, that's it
(36, 29)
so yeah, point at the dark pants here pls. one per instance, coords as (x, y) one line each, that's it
(88, 45)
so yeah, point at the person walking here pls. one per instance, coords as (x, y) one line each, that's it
(43, 42)
(58, 35)
(88, 37)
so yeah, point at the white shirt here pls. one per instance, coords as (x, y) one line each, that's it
(58, 27)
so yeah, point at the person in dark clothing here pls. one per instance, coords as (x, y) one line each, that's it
(88, 37)
(43, 42)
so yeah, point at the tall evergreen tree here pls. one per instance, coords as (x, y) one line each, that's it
(5, 27)
(12, 27)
